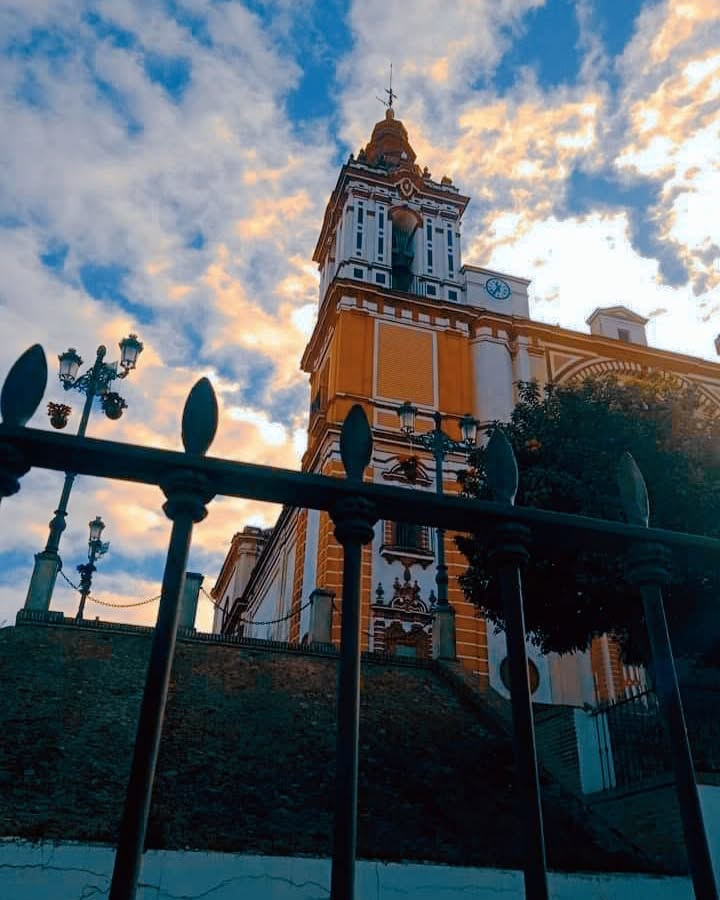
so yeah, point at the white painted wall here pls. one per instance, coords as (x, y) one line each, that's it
(571, 677)
(710, 803)
(475, 278)
(68, 871)
(309, 567)
(597, 769)
(493, 395)
(497, 651)
(608, 325)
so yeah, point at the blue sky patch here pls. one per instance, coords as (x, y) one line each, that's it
(197, 241)
(109, 31)
(41, 42)
(114, 98)
(55, 255)
(105, 282)
(616, 23)
(587, 191)
(171, 72)
(12, 563)
(320, 37)
(30, 91)
(638, 198)
(548, 43)
(194, 23)
(253, 371)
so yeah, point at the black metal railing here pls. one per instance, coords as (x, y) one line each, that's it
(634, 743)
(414, 285)
(190, 480)
(636, 738)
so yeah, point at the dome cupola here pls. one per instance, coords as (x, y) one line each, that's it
(389, 144)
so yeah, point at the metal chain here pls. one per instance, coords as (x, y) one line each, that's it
(104, 602)
(216, 605)
(124, 605)
(292, 612)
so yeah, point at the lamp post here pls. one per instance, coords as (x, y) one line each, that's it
(96, 548)
(439, 444)
(95, 382)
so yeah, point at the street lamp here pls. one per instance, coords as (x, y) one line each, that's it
(94, 382)
(439, 444)
(96, 548)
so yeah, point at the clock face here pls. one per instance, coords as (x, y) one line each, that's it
(497, 288)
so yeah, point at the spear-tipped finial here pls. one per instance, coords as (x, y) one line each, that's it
(24, 387)
(633, 492)
(501, 468)
(391, 94)
(200, 418)
(355, 443)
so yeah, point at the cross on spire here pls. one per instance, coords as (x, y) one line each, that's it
(391, 94)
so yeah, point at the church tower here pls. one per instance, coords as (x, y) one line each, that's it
(402, 318)
(398, 321)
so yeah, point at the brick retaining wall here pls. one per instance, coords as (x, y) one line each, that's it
(247, 756)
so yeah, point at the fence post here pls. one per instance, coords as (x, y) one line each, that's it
(187, 493)
(189, 601)
(648, 567)
(354, 519)
(321, 609)
(21, 394)
(508, 555)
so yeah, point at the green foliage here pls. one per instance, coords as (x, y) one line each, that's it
(568, 442)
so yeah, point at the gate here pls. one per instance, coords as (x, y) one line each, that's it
(190, 480)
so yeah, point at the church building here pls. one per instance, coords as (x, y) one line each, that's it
(403, 318)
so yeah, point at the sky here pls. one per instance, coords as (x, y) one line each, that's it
(165, 165)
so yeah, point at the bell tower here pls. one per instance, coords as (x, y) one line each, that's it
(400, 318)
(389, 224)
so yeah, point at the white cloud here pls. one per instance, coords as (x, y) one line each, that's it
(109, 164)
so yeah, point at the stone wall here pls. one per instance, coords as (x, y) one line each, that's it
(649, 810)
(247, 756)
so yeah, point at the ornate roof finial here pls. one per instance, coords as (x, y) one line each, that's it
(391, 96)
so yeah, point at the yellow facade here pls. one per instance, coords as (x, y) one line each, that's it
(401, 318)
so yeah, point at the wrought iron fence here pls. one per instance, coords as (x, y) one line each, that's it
(636, 738)
(190, 481)
(633, 742)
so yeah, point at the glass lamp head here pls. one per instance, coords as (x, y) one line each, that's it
(469, 428)
(96, 529)
(70, 362)
(130, 349)
(407, 413)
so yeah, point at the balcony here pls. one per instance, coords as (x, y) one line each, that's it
(415, 285)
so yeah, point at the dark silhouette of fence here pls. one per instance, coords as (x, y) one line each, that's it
(190, 480)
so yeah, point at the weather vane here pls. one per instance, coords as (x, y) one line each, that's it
(391, 94)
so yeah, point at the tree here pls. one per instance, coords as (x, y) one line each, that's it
(568, 441)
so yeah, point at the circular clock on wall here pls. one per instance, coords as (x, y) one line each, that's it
(497, 288)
